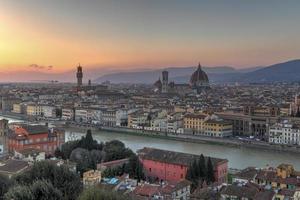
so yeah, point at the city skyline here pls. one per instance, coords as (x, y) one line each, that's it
(54, 37)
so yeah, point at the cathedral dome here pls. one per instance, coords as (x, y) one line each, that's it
(199, 77)
(158, 84)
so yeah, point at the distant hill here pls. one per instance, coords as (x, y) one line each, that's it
(282, 72)
(179, 75)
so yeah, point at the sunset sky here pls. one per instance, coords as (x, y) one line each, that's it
(54, 35)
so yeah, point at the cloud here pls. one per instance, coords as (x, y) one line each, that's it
(41, 67)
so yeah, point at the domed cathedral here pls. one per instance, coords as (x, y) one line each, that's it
(199, 80)
(158, 85)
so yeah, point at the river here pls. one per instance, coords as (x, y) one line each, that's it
(239, 158)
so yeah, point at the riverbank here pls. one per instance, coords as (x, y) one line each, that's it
(195, 139)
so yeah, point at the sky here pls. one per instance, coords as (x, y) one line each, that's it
(55, 35)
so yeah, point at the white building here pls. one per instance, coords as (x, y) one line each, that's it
(67, 114)
(159, 124)
(81, 115)
(174, 125)
(109, 117)
(49, 111)
(284, 133)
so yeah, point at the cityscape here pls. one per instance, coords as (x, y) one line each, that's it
(141, 103)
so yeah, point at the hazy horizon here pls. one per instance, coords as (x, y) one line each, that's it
(54, 36)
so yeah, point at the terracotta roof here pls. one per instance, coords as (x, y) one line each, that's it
(13, 166)
(239, 191)
(172, 157)
(146, 190)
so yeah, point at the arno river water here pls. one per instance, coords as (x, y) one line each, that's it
(238, 157)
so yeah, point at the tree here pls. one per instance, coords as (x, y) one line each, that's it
(68, 147)
(94, 193)
(135, 168)
(67, 182)
(115, 150)
(19, 193)
(195, 169)
(202, 167)
(82, 158)
(210, 171)
(39, 190)
(5, 183)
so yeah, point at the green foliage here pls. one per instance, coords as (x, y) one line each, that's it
(86, 142)
(210, 171)
(83, 160)
(94, 193)
(136, 168)
(67, 182)
(202, 167)
(38, 190)
(200, 171)
(5, 183)
(68, 147)
(115, 150)
(19, 193)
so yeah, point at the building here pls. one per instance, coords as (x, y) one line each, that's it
(34, 110)
(193, 123)
(17, 108)
(82, 115)
(8, 102)
(109, 117)
(284, 133)
(79, 76)
(165, 86)
(138, 120)
(172, 166)
(112, 164)
(49, 111)
(91, 178)
(68, 114)
(12, 167)
(217, 128)
(30, 155)
(35, 136)
(3, 137)
(165, 82)
(169, 191)
(254, 121)
(283, 177)
(199, 80)
(295, 106)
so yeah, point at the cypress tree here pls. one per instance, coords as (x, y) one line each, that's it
(195, 169)
(202, 167)
(210, 172)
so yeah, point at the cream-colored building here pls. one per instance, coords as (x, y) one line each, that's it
(17, 108)
(34, 110)
(217, 128)
(193, 123)
(205, 125)
(91, 178)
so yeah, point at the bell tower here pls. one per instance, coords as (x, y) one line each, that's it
(79, 76)
(3, 137)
